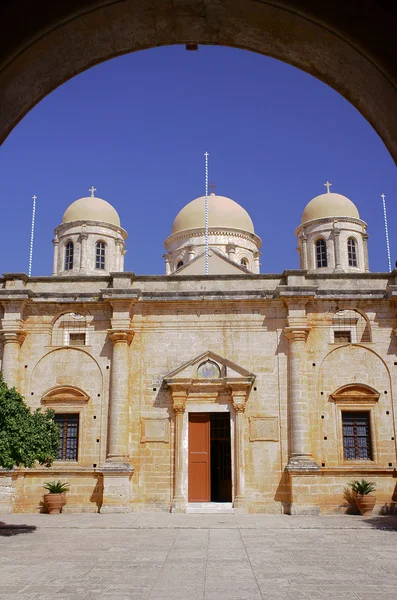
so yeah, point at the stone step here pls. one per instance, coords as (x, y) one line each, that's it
(224, 508)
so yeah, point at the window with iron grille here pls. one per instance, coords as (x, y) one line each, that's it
(341, 337)
(100, 255)
(180, 264)
(356, 436)
(69, 251)
(352, 252)
(76, 339)
(321, 253)
(69, 436)
(244, 262)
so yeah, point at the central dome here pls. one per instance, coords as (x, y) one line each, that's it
(91, 209)
(222, 212)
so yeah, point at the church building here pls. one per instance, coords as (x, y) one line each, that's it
(213, 387)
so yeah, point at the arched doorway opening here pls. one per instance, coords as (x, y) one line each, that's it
(341, 48)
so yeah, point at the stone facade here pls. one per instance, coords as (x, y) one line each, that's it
(283, 377)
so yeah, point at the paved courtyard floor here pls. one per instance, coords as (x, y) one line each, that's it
(190, 557)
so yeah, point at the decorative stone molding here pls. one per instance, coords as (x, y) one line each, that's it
(264, 429)
(155, 429)
(355, 393)
(297, 334)
(13, 337)
(120, 335)
(65, 394)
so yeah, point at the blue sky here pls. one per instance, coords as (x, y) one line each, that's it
(137, 127)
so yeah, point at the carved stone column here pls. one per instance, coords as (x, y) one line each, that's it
(304, 252)
(119, 262)
(179, 395)
(83, 250)
(117, 469)
(191, 252)
(119, 405)
(55, 241)
(365, 247)
(231, 251)
(338, 264)
(167, 264)
(301, 454)
(239, 400)
(12, 341)
(256, 262)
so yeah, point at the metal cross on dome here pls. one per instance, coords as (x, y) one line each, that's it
(212, 186)
(92, 190)
(328, 185)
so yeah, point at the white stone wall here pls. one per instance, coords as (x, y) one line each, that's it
(85, 235)
(325, 229)
(234, 244)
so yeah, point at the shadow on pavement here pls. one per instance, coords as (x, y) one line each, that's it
(7, 530)
(387, 523)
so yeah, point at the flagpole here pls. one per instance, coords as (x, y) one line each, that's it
(206, 213)
(32, 236)
(386, 231)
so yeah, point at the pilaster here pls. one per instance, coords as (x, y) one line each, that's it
(179, 395)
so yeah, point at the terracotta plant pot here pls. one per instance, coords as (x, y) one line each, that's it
(365, 503)
(54, 503)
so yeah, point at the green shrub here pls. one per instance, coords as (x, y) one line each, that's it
(26, 436)
(56, 487)
(362, 487)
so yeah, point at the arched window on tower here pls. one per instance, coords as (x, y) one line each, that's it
(180, 264)
(244, 262)
(100, 255)
(321, 253)
(69, 251)
(352, 252)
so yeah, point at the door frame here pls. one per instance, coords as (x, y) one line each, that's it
(206, 407)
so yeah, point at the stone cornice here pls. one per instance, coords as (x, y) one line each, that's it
(200, 233)
(329, 220)
(64, 227)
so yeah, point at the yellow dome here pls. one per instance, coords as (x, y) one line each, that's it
(222, 212)
(91, 209)
(329, 205)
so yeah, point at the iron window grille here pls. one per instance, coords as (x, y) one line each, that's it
(350, 326)
(352, 252)
(69, 251)
(100, 255)
(69, 436)
(321, 254)
(356, 436)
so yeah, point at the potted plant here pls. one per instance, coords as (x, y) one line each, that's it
(365, 500)
(55, 498)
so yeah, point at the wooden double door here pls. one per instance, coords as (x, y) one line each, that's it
(210, 469)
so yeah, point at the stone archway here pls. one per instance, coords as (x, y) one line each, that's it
(348, 47)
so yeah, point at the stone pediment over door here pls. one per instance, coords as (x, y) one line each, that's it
(210, 375)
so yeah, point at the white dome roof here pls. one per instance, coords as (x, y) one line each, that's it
(222, 212)
(329, 205)
(91, 209)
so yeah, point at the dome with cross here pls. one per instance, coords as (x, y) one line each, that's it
(222, 212)
(91, 208)
(329, 205)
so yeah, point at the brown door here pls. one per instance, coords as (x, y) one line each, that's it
(199, 457)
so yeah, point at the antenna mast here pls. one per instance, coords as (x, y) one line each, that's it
(32, 236)
(206, 213)
(386, 231)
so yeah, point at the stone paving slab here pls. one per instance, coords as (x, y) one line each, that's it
(192, 557)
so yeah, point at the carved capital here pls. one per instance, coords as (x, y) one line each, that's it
(118, 335)
(179, 408)
(296, 334)
(14, 337)
(239, 405)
